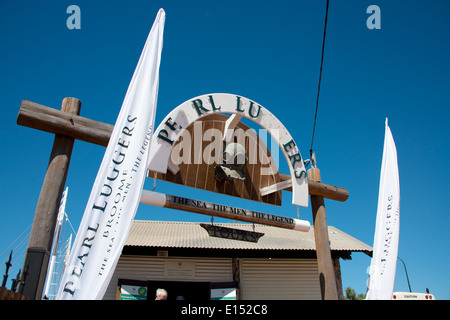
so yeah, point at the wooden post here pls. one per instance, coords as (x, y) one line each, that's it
(324, 261)
(43, 228)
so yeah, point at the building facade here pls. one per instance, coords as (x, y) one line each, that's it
(191, 264)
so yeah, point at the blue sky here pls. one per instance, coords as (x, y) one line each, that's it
(268, 51)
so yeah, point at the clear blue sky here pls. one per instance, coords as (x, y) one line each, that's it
(268, 51)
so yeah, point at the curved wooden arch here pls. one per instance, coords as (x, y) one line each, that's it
(180, 118)
(193, 164)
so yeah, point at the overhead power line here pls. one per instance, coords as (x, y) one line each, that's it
(320, 77)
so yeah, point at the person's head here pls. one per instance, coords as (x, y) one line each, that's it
(161, 294)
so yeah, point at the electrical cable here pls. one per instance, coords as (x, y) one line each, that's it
(320, 77)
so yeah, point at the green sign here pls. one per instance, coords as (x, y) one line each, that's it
(133, 293)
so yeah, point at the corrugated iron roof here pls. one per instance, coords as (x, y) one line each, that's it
(191, 235)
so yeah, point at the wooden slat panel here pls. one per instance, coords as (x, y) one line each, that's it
(280, 279)
(201, 176)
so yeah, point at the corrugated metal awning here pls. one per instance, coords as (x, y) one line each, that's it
(172, 234)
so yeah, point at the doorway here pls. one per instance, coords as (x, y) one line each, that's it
(180, 290)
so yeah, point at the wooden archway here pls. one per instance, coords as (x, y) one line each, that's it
(176, 122)
(191, 162)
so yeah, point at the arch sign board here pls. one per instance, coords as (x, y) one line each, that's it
(185, 114)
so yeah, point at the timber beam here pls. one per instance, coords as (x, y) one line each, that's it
(36, 116)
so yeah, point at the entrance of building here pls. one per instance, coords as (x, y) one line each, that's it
(176, 290)
(180, 290)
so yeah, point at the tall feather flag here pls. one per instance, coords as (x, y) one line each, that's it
(117, 189)
(387, 229)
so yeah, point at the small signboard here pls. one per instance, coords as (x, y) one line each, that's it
(133, 292)
(223, 294)
(232, 234)
(179, 269)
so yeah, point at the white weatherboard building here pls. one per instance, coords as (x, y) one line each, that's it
(184, 259)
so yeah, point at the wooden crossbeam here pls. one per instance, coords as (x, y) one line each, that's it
(282, 185)
(47, 119)
(321, 189)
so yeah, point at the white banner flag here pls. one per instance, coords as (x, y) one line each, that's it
(118, 186)
(385, 247)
